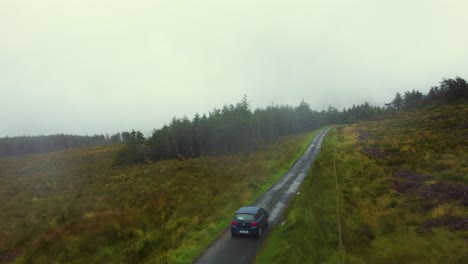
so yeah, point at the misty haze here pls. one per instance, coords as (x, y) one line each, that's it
(233, 131)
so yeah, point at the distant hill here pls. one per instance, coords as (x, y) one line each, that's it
(24, 145)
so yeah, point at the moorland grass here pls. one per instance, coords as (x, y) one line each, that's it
(400, 186)
(74, 206)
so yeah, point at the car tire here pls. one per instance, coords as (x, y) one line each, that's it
(233, 234)
(260, 231)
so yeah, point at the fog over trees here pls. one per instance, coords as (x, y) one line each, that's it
(449, 91)
(239, 129)
(233, 128)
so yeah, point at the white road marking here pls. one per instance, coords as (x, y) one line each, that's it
(276, 210)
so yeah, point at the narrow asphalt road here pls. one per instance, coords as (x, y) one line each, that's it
(227, 249)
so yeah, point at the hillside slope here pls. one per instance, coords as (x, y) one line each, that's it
(75, 207)
(389, 191)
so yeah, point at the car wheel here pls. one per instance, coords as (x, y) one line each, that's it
(260, 231)
(233, 234)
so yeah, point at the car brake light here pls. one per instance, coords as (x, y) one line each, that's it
(233, 223)
(253, 224)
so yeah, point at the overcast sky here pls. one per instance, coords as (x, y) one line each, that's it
(96, 66)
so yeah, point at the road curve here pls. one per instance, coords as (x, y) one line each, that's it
(227, 249)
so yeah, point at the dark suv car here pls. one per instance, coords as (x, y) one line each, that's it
(249, 220)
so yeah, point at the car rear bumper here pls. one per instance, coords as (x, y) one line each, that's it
(244, 231)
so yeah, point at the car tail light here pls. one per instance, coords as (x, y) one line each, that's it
(253, 224)
(233, 222)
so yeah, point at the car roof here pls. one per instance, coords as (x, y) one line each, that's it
(248, 210)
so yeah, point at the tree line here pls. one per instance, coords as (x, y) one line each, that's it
(449, 91)
(22, 145)
(238, 129)
(235, 129)
(232, 129)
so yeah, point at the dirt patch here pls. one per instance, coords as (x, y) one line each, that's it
(460, 127)
(431, 194)
(439, 117)
(374, 152)
(444, 192)
(9, 256)
(453, 223)
(363, 135)
(464, 126)
(407, 181)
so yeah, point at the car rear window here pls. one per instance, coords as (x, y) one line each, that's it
(244, 217)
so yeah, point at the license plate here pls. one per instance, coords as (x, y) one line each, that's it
(243, 231)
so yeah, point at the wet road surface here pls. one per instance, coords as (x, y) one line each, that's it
(226, 249)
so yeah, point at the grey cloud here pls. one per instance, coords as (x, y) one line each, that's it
(104, 66)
